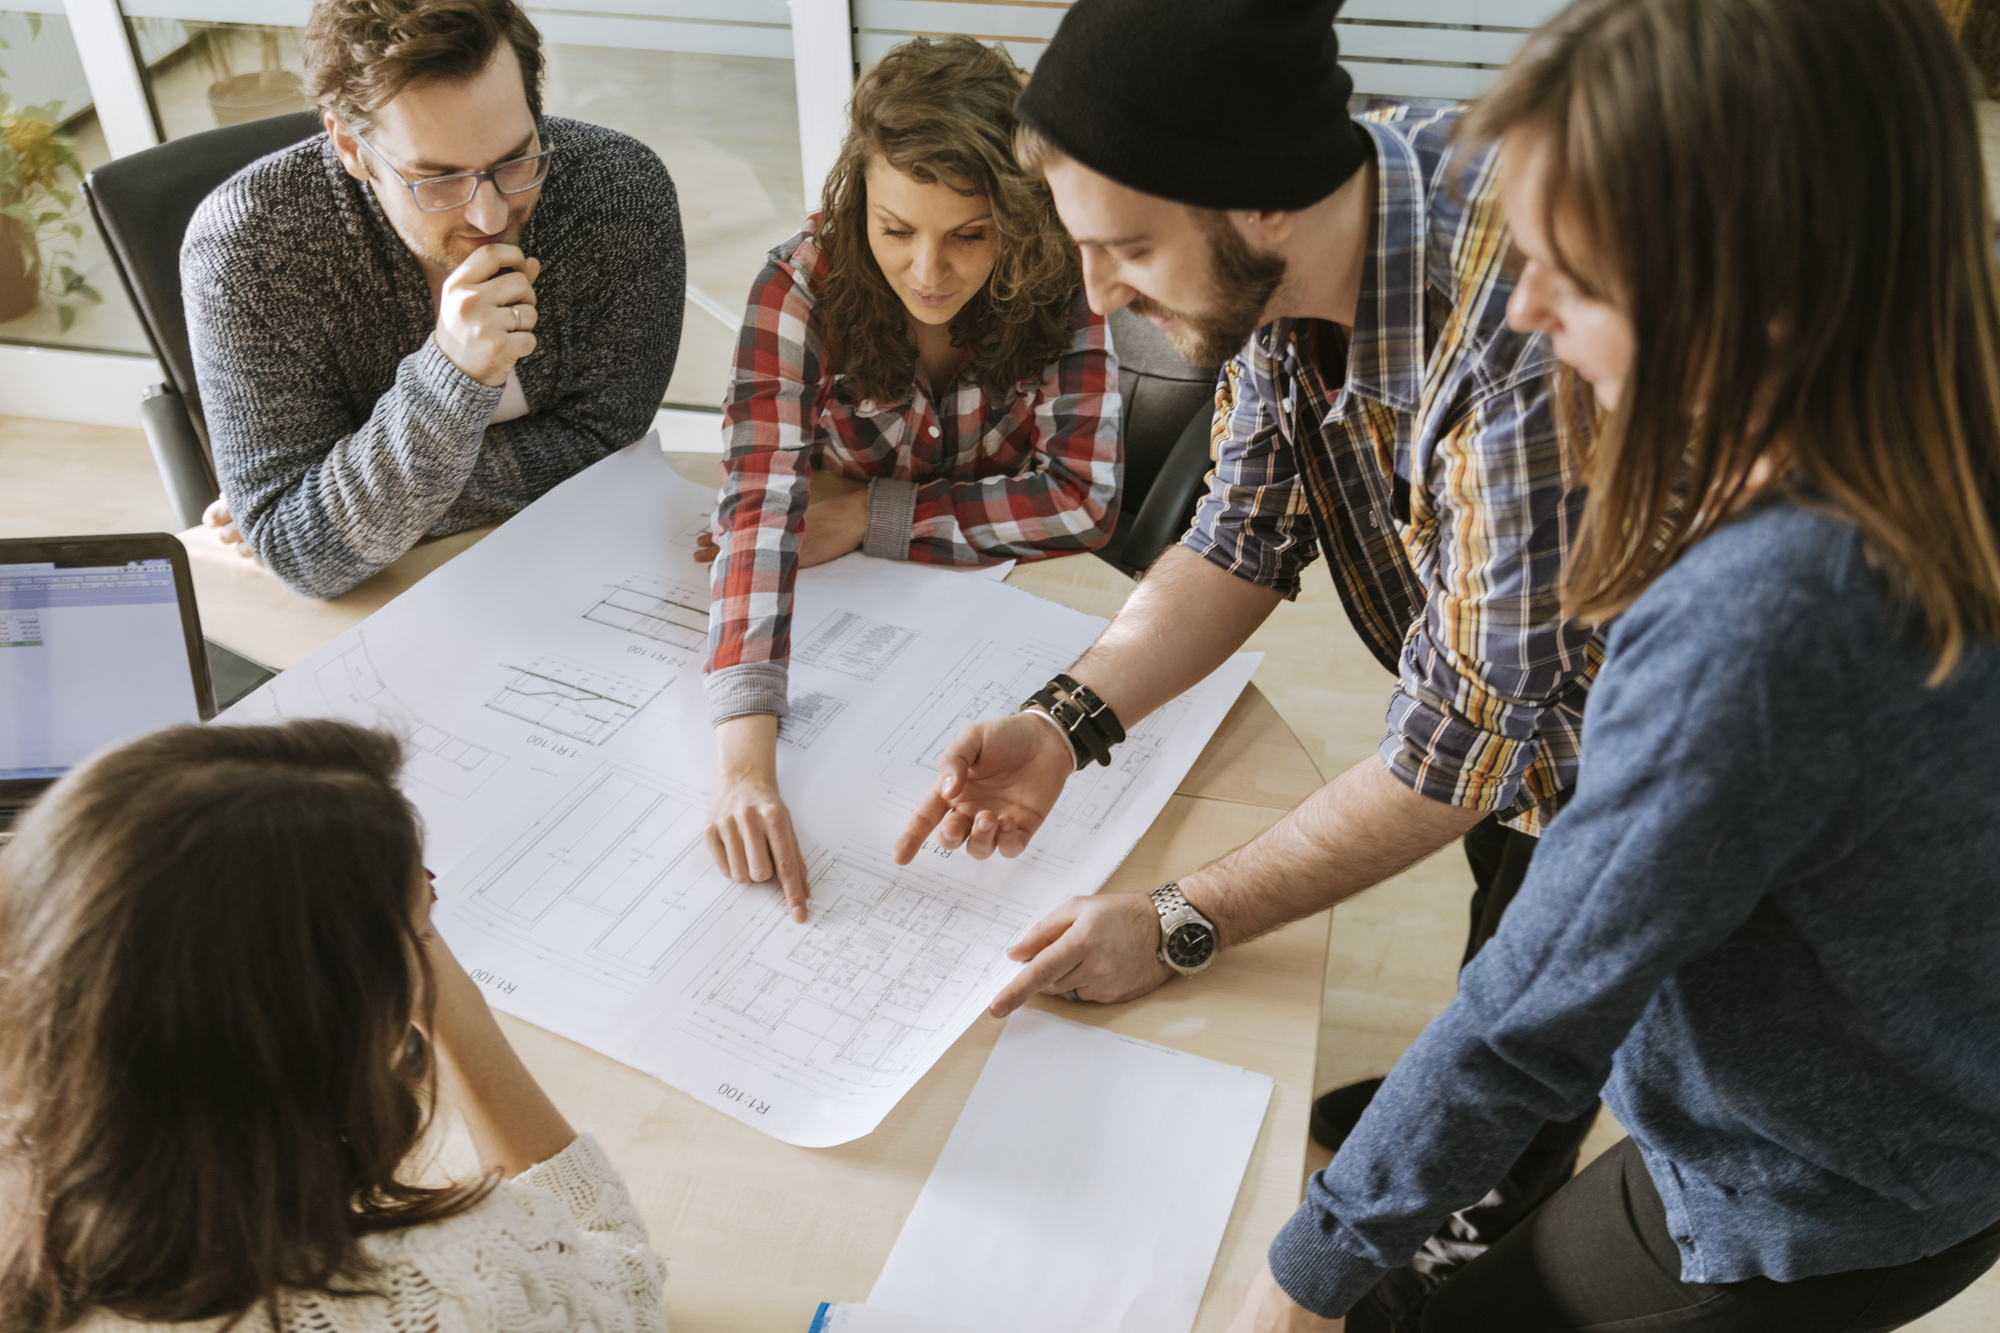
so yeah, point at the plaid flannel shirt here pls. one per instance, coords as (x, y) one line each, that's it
(953, 478)
(1431, 479)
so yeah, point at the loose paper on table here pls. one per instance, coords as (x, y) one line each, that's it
(548, 684)
(1085, 1189)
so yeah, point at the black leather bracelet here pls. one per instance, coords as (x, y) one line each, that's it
(1087, 720)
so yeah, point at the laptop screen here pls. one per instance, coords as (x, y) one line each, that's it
(89, 654)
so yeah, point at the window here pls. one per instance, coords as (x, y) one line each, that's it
(57, 286)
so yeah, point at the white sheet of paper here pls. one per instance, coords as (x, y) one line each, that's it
(1085, 1188)
(547, 683)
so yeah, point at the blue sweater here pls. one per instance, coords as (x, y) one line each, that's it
(1767, 927)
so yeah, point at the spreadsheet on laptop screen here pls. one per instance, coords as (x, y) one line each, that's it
(89, 655)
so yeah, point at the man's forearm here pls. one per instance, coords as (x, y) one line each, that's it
(1182, 622)
(1351, 834)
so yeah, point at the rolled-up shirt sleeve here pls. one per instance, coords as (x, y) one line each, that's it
(768, 422)
(1254, 520)
(1491, 677)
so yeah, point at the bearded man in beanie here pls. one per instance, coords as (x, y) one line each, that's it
(1375, 409)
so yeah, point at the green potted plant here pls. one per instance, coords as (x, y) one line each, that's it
(38, 226)
(268, 90)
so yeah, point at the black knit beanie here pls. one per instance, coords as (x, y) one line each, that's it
(1215, 103)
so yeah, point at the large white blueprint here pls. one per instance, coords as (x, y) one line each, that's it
(545, 641)
(1085, 1188)
(548, 684)
(598, 912)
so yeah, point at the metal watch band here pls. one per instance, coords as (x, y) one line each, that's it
(1176, 913)
(1168, 899)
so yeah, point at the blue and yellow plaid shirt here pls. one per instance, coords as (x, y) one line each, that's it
(1432, 480)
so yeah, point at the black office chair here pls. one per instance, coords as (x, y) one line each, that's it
(1168, 406)
(142, 204)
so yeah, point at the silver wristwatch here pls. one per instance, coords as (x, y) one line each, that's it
(1187, 938)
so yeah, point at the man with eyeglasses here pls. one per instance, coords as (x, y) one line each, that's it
(426, 317)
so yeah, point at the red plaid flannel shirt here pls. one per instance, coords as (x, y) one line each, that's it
(956, 479)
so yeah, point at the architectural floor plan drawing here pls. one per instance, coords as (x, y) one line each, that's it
(605, 918)
(605, 881)
(852, 645)
(584, 703)
(874, 983)
(656, 608)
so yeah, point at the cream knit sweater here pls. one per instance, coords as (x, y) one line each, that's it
(557, 1249)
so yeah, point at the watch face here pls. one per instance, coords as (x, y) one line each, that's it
(1190, 945)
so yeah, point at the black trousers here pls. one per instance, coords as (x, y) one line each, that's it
(1499, 858)
(1597, 1256)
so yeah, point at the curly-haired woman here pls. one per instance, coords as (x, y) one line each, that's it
(926, 331)
(215, 960)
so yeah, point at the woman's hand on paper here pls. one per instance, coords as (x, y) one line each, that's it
(833, 527)
(1106, 949)
(1267, 1309)
(750, 832)
(997, 782)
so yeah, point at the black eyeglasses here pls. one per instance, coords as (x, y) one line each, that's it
(442, 194)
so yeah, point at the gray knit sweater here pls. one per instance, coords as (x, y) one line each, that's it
(342, 434)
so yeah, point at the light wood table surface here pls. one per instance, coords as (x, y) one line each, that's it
(756, 1232)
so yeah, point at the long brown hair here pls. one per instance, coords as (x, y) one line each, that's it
(209, 969)
(1788, 200)
(944, 111)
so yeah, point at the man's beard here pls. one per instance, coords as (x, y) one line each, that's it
(1244, 283)
(439, 251)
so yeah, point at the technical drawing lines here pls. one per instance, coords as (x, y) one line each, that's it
(608, 881)
(811, 713)
(583, 703)
(657, 609)
(853, 645)
(880, 975)
(353, 689)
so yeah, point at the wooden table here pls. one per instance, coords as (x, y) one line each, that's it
(756, 1232)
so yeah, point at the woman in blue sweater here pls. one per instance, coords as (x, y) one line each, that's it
(1767, 928)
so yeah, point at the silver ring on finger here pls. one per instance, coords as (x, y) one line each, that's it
(1074, 997)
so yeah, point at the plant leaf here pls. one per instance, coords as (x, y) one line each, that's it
(34, 23)
(65, 316)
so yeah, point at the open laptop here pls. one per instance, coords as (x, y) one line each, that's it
(99, 642)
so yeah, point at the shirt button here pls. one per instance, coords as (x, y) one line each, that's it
(935, 432)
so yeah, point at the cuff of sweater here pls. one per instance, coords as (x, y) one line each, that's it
(469, 403)
(584, 1181)
(753, 687)
(1317, 1271)
(892, 510)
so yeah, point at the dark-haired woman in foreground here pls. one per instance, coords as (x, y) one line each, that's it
(1768, 925)
(214, 942)
(925, 332)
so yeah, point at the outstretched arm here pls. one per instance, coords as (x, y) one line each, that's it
(998, 779)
